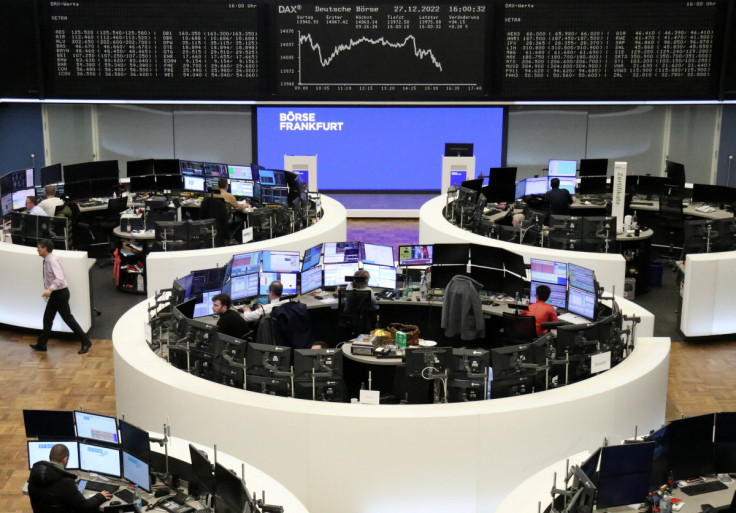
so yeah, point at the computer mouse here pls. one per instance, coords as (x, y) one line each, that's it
(115, 503)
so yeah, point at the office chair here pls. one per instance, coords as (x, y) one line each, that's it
(215, 208)
(699, 236)
(106, 222)
(261, 220)
(670, 227)
(519, 328)
(354, 313)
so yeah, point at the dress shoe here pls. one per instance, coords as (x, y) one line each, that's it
(85, 348)
(38, 347)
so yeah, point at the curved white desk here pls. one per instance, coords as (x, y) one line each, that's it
(610, 268)
(163, 267)
(394, 458)
(22, 285)
(708, 299)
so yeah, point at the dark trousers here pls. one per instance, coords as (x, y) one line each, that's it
(59, 302)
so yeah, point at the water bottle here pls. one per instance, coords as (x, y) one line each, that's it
(517, 298)
(634, 221)
(665, 503)
(138, 501)
(423, 285)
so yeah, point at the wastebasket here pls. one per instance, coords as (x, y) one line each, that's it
(656, 269)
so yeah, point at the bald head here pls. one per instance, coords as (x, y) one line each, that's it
(59, 453)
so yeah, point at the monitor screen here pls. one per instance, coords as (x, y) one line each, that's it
(49, 423)
(241, 188)
(272, 177)
(562, 168)
(142, 183)
(281, 261)
(536, 186)
(288, 280)
(191, 168)
(7, 203)
(204, 308)
(593, 167)
(169, 182)
(202, 471)
(417, 254)
(565, 183)
(193, 183)
(135, 440)
(675, 171)
(51, 174)
(39, 451)
(311, 279)
(420, 360)
(312, 257)
(624, 474)
(100, 459)
(231, 496)
(581, 278)
(213, 170)
(689, 446)
(97, 427)
(246, 263)
(136, 471)
(458, 149)
(140, 167)
(502, 175)
(104, 187)
(335, 273)
(651, 185)
(244, 286)
(240, 172)
(520, 189)
(87, 170)
(382, 276)
(582, 303)
(378, 254)
(19, 197)
(326, 364)
(557, 296)
(548, 271)
(593, 185)
(341, 252)
(451, 254)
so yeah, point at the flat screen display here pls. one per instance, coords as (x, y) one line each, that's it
(341, 252)
(49, 424)
(246, 263)
(135, 440)
(387, 144)
(281, 261)
(562, 168)
(378, 254)
(241, 188)
(288, 281)
(548, 272)
(312, 256)
(39, 451)
(136, 471)
(581, 278)
(382, 276)
(193, 183)
(51, 174)
(19, 197)
(7, 203)
(536, 186)
(557, 296)
(311, 279)
(335, 273)
(97, 427)
(205, 307)
(417, 254)
(565, 183)
(593, 167)
(100, 459)
(581, 303)
(240, 172)
(244, 286)
(191, 168)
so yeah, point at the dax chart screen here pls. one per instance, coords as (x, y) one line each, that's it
(380, 51)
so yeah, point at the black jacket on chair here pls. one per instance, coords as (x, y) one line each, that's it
(52, 490)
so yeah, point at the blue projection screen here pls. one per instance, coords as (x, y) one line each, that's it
(378, 148)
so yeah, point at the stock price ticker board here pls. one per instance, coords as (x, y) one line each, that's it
(190, 49)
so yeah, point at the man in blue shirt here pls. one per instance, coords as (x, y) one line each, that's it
(33, 208)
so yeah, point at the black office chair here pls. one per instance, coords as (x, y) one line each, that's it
(354, 313)
(669, 233)
(105, 223)
(215, 208)
(519, 328)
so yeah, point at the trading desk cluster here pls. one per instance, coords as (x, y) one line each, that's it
(120, 454)
(518, 362)
(689, 463)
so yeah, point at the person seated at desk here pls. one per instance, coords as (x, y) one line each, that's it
(559, 200)
(230, 322)
(52, 490)
(360, 282)
(51, 202)
(275, 289)
(229, 199)
(33, 208)
(541, 311)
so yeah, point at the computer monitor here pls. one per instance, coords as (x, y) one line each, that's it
(288, 280)
(599, 227)
(581, 278)
(557, 297)
(425, 361)
(475, 185)
(142, 183)
(675, 171)
(652, 186)
(231, 495)
(536, 186)
(312, 257)
(341, 252)
(39, 451)
(506, 361)
(458, 149)
(19, 197)
(207, 279)
(136, 471)
(281, 261)
(193, 183)
(140, 168)
(322, 363)
(724, 442)
(246, 263)
(382, 276)
(520, 191)
(50, 174)
(103, 187)
(7, 203)
(416, 254)
(455, 253)
(270, 195)
(562, 168)
(624, 474)
(240, 172)
(267, 360)
(499, 193)
(548, 271)
(593, 167)
(169, 182)
(311, 280)
(684, 448)
(203, 475)
(593, 185)
(135, 441)
(100, 459)
(242, 286)
(582, 303)
(91, 426)
(574, 338)
(214, 170)
(569, 183)
(204, 307)
(378, 254)
(272, 177)
(499, 175)
(49, 424)
(443, 274)
(469, 363)
(191, 168)
(335, 274)
(241, 188)
(714, 194)
(201, 233)
(492, 279)
(97, 169)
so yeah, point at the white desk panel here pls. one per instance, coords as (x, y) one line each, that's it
(708, 301)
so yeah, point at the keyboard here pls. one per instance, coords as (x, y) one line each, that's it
(706, 487)
(99, 486)
(91, 203)
(643, 203)
(127, 495)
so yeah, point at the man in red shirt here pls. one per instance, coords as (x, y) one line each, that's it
(541, 311)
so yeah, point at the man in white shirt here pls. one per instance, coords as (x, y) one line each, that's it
(51, 202)
(275, 289)
(33, 208)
